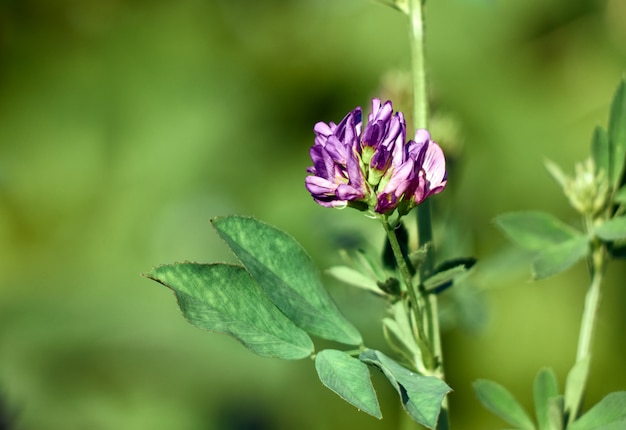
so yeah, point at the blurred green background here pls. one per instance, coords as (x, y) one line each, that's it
(126, 124)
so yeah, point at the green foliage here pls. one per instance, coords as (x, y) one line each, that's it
(399, 336)
(608, 148)
(594, 192)
(501, 402)
(600, 152)
(559, 258)
(378, 275)
(545, 394)
(575, 388)
(271, 303)
(421, 396)
(613, 229)
(349, 378)
(557, 245)
(535, 230)
(608, 414)
(225, 299)
(447, 273)
(268, 304)
(355, 278)
(552, 410)
(617, 135)
(288, 276)
(135, 144)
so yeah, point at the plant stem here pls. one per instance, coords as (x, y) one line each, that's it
(418, 65)
(592, 301)
(420, 120)
(408, 282)
(424, 221)
(597, 262)
(397, 253)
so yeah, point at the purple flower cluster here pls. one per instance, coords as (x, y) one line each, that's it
(373, 168)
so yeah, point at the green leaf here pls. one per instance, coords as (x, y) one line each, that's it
(288, 276)
(225, 299)
(617, 135)
(399, 335)
(418, 256)
(421, 396)
(615, 425)
(355, 278)
(544, 390)
(501, 402)
(613, 229)
(557, 173)
(608, 413)
(364, 262)
(575, 387)
(600, 150)
(534, 230)
(349, 378)
(397, 340)
(555, 413)
(444, 276)
(466, 262)
(557, 258)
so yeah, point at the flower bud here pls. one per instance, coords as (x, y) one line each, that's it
(588, 191)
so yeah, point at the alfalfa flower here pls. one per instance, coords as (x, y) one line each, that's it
(372, 167)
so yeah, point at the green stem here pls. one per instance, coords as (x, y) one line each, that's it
(597, 262)
(592, 301)
(406, 278)
(424, 221)
(418, 65)
(420, 120)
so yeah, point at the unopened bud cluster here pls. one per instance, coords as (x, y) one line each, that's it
(588, 191)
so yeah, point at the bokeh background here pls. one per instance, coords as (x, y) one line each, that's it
(125, 125)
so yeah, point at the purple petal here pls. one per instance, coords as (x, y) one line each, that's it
(377, 128)
(400, 179)
(398, 148)
(322, 162)
(337, 150)
(380, 113)
(434, 164)
(319, 186)
(323, 129)
(381, 160)
(422, 135)
(346, 129)
(372, 134)
(432, 177)
(348, 193)
(386, 203)
(355, 174)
